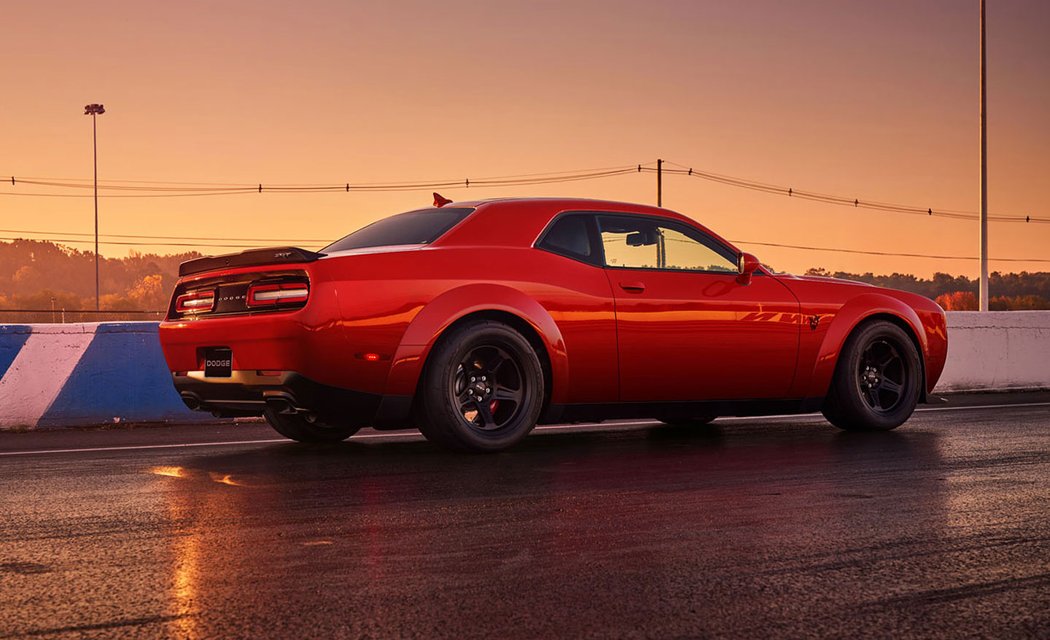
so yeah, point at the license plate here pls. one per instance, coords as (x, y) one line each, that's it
(218, 362)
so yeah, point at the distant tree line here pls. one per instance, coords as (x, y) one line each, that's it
(42, 275)
(37, 274)
(1009, 291)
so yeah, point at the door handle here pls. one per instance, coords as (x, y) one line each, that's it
(633, 287)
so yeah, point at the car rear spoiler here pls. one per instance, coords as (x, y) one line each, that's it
(250, 258)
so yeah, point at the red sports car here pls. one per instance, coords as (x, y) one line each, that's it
(477, 320)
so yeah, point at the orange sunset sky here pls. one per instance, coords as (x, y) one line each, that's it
(869, 99)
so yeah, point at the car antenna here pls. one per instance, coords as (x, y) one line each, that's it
(440, 200)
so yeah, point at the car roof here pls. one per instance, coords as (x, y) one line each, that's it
(532, 215)
(570, 203)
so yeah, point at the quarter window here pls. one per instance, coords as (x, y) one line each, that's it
(571, 236)
(641, 243)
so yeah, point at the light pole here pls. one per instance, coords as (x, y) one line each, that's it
(95, 110)
(983, 303)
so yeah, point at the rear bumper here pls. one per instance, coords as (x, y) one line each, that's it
(280, 341)
(298, 341)
(247, 393)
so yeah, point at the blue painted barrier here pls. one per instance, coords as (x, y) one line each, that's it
(54, 375)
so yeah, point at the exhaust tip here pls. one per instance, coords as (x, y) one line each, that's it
(191, 400)
(281, 403)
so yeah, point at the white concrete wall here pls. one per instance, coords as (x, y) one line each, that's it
(997, 350)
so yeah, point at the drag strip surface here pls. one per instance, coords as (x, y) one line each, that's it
(750, 527)
(185, 434)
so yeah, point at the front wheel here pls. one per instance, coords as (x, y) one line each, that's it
(482, 389)
(878, 380)
(302, 428)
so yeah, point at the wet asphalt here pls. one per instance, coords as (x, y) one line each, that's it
(747, 528)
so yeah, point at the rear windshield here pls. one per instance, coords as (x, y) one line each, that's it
(415, 227)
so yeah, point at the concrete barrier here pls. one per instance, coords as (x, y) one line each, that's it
(997, 351)
(62, 375)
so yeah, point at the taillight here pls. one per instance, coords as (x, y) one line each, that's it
(195, 302)
(271, 295)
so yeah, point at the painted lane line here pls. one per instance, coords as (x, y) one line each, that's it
(367, 436)
(138, 447)
(415, 434)
(181, 446)
(817, 414)
(986, 406)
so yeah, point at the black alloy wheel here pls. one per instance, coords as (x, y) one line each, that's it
(482, 389)
(877, 381)
(882, 376)
(488, 387)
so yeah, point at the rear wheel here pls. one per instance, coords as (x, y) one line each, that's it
(482, 389)
(878, 380)
(301, 428)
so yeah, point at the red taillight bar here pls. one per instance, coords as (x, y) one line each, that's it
(266, 295)
(195, 302)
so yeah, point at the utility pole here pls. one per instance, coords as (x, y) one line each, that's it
(984, 174)
(96, 110)
(660, 180)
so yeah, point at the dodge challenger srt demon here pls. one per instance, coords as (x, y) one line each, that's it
(477, 320)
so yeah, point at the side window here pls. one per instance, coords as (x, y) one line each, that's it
(570, 236)
(629, 242)
(684, 252)
(641, 243)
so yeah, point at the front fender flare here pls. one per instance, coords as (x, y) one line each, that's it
(854, 312)
(458, 303)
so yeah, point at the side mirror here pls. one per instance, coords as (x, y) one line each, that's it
(747, 265)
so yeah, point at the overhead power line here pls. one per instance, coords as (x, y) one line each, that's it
(195, 245)
(319, 243)
(881, 253)
(159, 189)
(854, 202)
(252, 185)
(172, 189)
(148, 237)
(169, 190)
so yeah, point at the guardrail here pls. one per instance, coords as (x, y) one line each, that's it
(62, 375)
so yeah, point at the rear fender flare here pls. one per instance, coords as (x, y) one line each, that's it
(848, 318)
(441, 312)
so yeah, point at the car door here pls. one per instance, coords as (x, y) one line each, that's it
(687, 329)
(572, 286)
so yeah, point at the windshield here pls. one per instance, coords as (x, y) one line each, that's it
(415, 227)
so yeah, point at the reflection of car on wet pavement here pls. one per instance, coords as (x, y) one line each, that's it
(475, 321)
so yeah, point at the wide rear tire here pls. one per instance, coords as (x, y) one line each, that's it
(297, 427)
(482, 389)
(878, 379)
